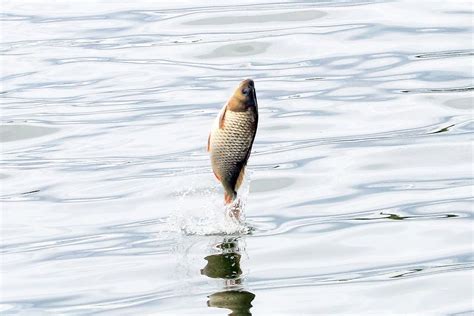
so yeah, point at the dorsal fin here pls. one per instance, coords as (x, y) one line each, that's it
(222, 117)
(209, 142)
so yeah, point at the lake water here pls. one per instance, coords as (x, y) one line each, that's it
(359, 196)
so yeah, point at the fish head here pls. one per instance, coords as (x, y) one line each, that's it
(244, 97)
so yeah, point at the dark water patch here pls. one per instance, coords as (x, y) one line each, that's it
(30, 192)
(238, 50)
(273, 184)
(445, 54)
(439, 90)
(442, 130)
(306, 15)
(400, 218)
(13, 132)
(461, 103)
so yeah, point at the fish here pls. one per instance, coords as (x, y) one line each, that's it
(231, 138)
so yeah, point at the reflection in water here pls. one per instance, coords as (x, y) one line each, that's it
(226, 265)
(239, 302)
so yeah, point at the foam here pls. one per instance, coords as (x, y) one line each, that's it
(201, 211)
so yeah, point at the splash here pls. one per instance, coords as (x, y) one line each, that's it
(201, 211)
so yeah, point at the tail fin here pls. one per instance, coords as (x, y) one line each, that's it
(228, 198)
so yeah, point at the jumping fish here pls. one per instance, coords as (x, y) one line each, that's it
(231, 138)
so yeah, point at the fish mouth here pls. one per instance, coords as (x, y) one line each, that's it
(249, 82)
(247, 87)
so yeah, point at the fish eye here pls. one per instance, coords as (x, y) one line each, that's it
(246, 91)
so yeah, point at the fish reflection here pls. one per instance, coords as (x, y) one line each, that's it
(226, 265)
(239, 302)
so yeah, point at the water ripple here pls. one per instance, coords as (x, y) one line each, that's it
(360, 181)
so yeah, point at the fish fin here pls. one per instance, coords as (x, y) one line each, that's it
(222, 117)
(209, 142)
(228, 198)
(240, 178)
(215, 174)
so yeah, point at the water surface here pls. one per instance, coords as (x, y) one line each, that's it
(359, 197)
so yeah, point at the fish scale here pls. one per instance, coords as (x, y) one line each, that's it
(231, 143)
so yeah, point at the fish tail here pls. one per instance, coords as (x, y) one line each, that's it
(229, 197)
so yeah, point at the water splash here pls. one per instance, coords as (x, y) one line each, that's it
(201, 211)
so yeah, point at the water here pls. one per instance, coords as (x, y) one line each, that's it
(360, 193)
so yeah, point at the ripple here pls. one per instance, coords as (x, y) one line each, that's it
(440, 90)
(445, 54)
(360, 176)
(322, 224)
(439, 265)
